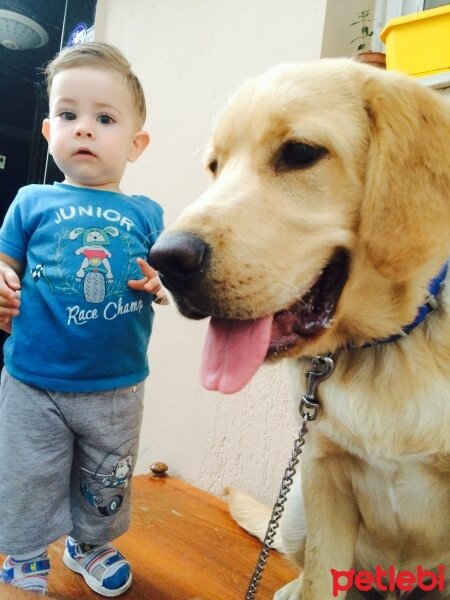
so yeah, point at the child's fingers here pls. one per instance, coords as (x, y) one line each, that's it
(137, 284)
(5, 325)
(12, 279)
(150, 282)
(162, 299)
(147, 270)
(9, 284)
(154, 286)
(8, 297)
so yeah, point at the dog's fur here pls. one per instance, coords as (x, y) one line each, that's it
(375, 468)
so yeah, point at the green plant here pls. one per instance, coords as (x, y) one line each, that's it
(363, 20)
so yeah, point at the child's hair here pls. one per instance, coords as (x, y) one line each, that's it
(98, 54)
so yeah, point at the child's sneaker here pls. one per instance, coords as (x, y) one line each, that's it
(104, 569)
(30, 574)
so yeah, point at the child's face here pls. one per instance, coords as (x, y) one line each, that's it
(92, 129)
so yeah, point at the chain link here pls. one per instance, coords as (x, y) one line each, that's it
(321, 368)
(277, 511)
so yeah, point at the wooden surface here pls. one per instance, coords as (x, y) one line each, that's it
(182, 545)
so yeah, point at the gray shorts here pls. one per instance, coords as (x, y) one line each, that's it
(66, 461)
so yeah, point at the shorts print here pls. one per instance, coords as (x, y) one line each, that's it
(104, 487)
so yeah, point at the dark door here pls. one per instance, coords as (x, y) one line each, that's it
(31, 33)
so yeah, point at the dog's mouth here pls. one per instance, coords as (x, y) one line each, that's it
(235, 349)
(315, 310)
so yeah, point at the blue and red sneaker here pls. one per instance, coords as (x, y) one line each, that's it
(30, 574)
(104, 569)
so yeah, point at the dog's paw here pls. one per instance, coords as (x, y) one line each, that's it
(291, 591)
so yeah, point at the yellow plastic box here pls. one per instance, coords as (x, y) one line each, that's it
(419, 44)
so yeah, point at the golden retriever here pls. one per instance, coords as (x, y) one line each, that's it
(328, 218)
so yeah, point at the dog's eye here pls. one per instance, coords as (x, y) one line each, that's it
(297, 155)
(212, 166)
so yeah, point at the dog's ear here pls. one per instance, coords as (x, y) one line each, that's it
(405, 215)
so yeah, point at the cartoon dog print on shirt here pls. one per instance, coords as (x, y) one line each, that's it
(93, 249)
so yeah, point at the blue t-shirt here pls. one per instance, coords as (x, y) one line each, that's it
(80, 327)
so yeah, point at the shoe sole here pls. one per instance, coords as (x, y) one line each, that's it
(91, 581)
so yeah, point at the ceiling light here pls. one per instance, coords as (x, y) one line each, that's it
(18, 32)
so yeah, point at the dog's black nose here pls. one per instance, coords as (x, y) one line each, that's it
(180, 259)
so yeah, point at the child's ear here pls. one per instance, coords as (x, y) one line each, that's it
(139, 143)
(46, 129)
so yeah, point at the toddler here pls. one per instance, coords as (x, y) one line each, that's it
(74, 289)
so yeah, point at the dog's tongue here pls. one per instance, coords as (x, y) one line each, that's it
(233, 352)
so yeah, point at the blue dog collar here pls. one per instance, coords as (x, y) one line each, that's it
(425, 309)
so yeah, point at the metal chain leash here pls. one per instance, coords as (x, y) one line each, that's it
(321, 369)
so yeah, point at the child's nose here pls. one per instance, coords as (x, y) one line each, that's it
(83, 130)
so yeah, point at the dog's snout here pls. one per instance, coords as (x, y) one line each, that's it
(179, 257)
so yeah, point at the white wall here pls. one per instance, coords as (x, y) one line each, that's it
(190, 56)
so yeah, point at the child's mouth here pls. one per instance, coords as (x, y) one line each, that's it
(84, 152)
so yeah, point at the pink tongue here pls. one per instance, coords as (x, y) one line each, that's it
(233, 352)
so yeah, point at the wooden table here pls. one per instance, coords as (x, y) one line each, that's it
(182, 545)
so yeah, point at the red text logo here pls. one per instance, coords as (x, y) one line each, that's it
(387, 580)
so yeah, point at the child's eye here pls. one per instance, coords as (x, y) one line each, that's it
(105, 119)
(67, 115)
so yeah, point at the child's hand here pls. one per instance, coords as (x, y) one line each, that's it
(149, 283)
(9, 296)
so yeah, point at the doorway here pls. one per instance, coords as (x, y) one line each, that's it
(31, 33)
